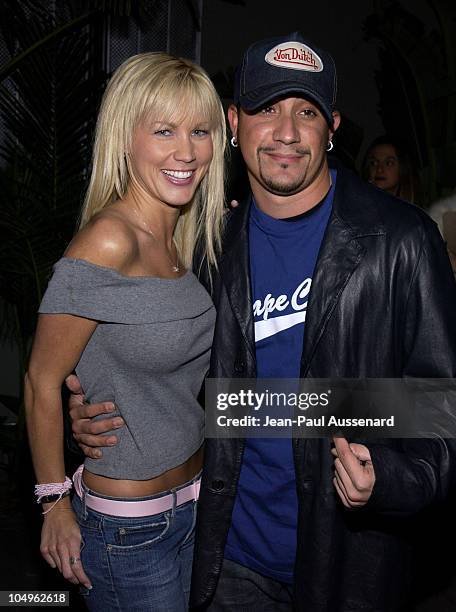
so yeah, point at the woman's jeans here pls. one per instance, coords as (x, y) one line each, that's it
(137, 564)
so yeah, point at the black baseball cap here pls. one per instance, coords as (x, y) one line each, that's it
(284, 65)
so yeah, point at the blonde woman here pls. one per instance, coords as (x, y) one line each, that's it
(124, 309)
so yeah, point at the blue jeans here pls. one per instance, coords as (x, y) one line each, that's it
(137, 564)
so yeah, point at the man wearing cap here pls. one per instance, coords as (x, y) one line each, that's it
(321, 276)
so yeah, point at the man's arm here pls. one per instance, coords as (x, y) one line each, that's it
(419, 472)
(85, 430)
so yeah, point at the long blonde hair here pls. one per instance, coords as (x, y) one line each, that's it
(160, 87)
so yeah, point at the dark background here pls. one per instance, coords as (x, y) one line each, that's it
(397, 73)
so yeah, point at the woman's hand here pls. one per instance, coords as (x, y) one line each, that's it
(61, 544)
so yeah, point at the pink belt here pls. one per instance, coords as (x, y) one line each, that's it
(146, 507)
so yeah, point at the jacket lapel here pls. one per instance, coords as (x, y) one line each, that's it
(235, 271)
(341, 253)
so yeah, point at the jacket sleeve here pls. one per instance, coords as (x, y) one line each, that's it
(413, 473)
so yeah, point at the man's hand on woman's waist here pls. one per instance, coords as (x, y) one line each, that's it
(86, 431)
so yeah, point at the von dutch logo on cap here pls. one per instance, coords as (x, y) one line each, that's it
(294, 55)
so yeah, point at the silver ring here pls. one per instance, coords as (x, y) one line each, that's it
(74, 560)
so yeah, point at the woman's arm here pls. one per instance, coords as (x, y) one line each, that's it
(59, 342)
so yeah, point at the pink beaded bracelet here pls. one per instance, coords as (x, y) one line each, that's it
(58, 489)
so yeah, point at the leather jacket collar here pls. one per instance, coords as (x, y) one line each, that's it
(353, 216)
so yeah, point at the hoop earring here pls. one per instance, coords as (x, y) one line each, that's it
(234, 142)
(330, 146)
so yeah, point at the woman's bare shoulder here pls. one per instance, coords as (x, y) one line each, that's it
(107, 240)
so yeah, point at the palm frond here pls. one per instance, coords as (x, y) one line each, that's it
(417, 85)
(48, 107)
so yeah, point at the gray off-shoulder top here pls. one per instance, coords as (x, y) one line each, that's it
(149, 355)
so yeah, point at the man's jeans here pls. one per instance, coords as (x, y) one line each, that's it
(240, 589)
(137, 564)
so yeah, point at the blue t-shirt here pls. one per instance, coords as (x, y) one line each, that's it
(283, 254)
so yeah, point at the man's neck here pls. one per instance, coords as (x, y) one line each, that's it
(281, 207)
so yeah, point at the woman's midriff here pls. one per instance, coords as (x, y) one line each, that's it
(142, 488)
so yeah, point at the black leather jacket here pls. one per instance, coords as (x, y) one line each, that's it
(382, 304)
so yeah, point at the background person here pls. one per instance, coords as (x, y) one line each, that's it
(388, 166)
(443, 212)
(124, 309)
